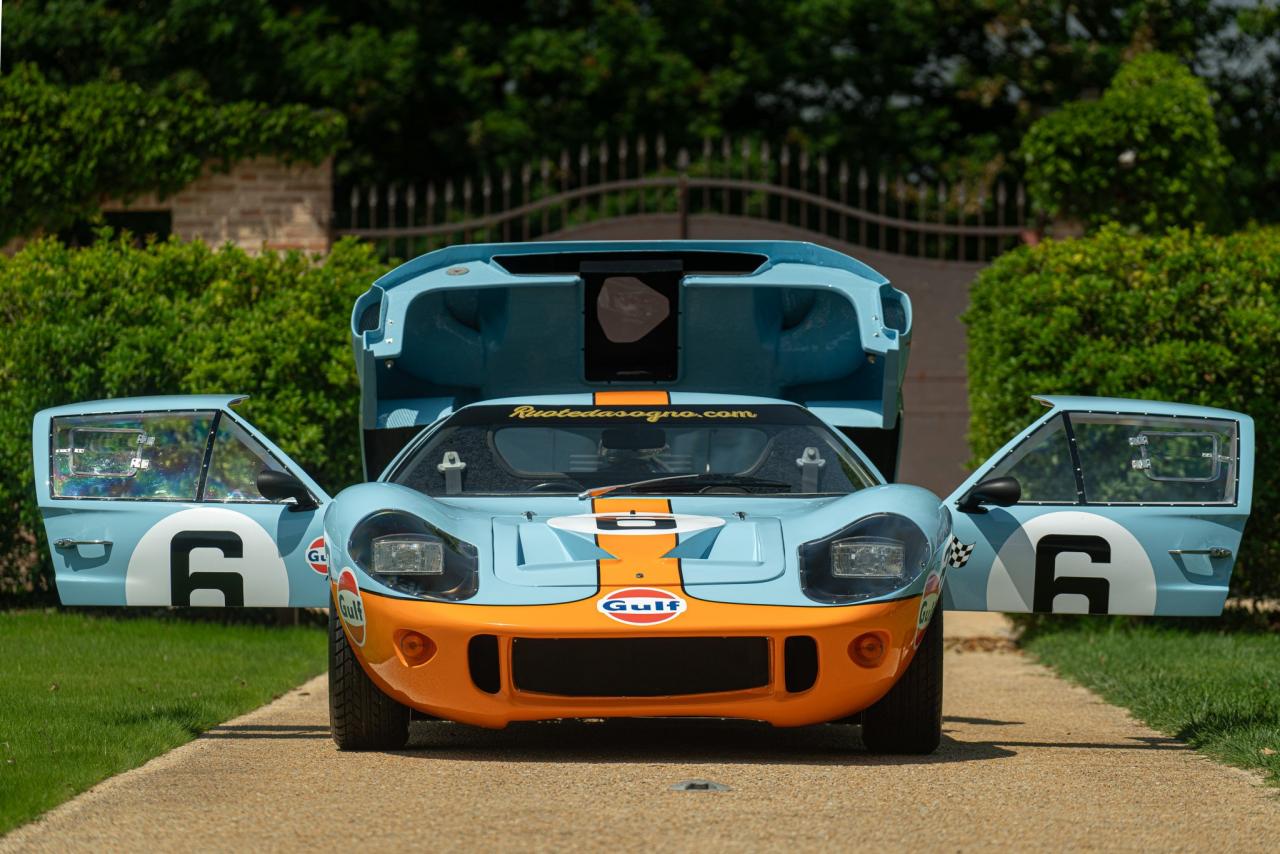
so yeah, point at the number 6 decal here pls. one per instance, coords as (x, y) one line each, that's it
(207, 556)
(1072, 562)
(182, 581)
(1049, 584)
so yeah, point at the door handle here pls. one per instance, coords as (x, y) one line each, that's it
(65, 543)
(1216, 551)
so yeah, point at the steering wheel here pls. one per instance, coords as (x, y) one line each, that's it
(723, 490)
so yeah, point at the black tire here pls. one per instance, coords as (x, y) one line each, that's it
(909, 718)
(361, 717)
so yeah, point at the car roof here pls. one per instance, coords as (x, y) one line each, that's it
(158, 403)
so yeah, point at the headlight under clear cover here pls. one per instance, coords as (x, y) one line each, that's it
(407, 554)
(867, 557)
(412, 556)
(874, 556)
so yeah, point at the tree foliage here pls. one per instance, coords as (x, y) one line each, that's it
(433, 88)
(115, 320)
(65, 149)
(1183, 316)
(1146, 153)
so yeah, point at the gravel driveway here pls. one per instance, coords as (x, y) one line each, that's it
(1027, 762)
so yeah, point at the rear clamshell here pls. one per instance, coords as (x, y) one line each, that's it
(774, 319)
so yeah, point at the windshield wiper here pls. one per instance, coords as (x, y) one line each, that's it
(705, 478)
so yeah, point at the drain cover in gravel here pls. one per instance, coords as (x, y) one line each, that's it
(700, 786)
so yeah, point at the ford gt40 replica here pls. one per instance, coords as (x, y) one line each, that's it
(640, 479)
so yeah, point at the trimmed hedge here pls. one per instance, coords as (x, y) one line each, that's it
(1146, 153)
(1185, 316)
(113, 320)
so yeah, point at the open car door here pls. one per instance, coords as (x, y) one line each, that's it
(175, 501)
(1119, 507)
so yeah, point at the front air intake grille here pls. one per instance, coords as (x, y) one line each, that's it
(482, 656)
(800, 663)
(639, 667)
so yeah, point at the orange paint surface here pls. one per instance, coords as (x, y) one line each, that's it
(640, 561)
(614, 398)
(443, 686)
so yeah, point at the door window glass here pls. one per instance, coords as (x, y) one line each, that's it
(1131, 459)
(153, 456)
(1042, 465)
(237, 460)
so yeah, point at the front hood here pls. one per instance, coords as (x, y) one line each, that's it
(536, 550)
(626, 542)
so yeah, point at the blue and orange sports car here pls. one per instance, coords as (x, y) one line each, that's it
(640, 479)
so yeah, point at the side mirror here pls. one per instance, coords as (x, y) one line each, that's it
(1001, 491)
(280, 485)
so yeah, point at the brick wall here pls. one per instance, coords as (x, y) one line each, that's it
(261, 203)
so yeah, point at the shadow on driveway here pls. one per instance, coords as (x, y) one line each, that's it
(682, 741)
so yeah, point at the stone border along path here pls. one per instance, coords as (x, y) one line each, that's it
(1028, 762)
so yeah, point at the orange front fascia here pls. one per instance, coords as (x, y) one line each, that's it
(442, 686)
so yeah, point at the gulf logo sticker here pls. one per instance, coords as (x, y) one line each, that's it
(317, 556)
(932, 592)
(350, 605)
(641, 606)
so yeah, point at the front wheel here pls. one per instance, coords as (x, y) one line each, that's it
(361, 717)
(909, 718)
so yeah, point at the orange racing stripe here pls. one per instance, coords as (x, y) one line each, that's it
(605, 398)
(638, 559)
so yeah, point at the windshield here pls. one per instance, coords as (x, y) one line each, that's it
(517, 450)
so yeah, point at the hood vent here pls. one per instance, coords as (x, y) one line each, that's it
(538, 554)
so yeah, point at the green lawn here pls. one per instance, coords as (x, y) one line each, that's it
(84, 697)
(1217, 690)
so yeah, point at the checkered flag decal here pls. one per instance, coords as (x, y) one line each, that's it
(958, 553)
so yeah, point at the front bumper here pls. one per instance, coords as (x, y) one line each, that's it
(445, 684)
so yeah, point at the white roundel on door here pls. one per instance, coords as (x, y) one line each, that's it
(207, 556)
(1072, 562)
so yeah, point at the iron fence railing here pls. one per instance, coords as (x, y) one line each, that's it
(901, 214)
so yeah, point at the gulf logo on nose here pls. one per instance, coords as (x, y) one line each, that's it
(932, 592)
(351, 605)
(641, 606)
